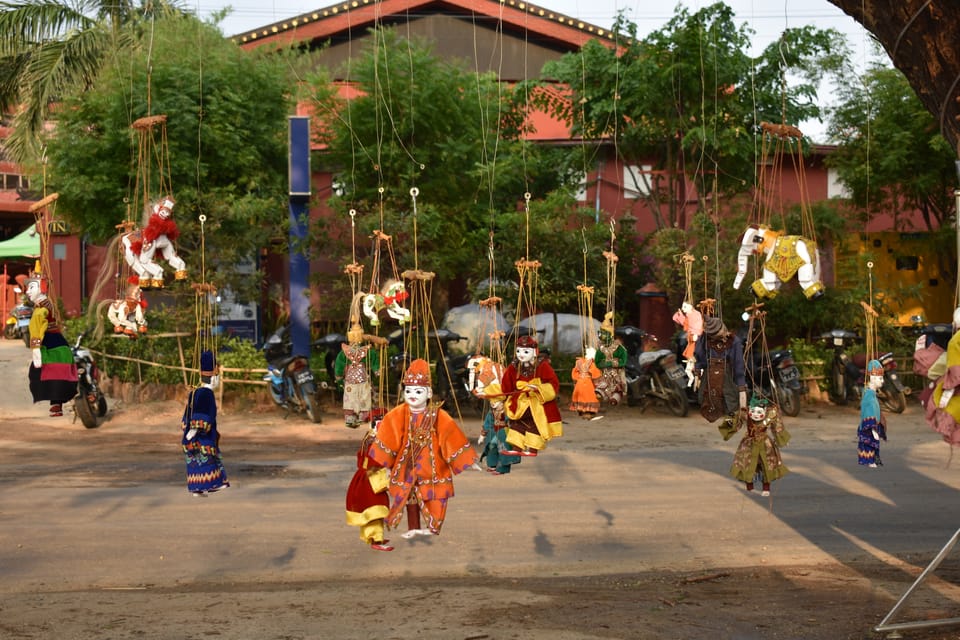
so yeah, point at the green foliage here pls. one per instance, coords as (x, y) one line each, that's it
(689, 97)
(225, 145)
(455, 136)
(891, 155)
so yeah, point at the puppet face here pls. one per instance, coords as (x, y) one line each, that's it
(875, 382)
(686, 307)
(417, 397)
(758, 412)
(526, 355)
(591, 353)
(33, 291)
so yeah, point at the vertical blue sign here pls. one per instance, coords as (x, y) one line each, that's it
(299, 198)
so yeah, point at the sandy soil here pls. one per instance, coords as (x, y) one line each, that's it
(99, 540)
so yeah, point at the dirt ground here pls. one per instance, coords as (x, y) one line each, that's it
(410, 593)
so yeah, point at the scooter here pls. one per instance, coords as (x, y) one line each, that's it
(331, 346)
(653, 375)
(90, 405)
(18, 322)
(778, 378)
(847, 373)
(289, 377)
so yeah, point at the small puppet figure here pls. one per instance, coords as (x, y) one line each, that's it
(53, 372)
(201, 438)
(160, 233)
(367, 504)
(692, 322)
(611, 360)
(423, 448)
(531, 386)
(873, 424)
(757, 457)
(127, 315)
(352, 369)
(720, 368)
(493, 440)
(942, 408)
(585, 375)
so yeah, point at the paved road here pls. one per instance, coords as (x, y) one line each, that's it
(633, 492)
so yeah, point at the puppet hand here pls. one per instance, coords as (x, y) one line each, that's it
(37, 360)
(480, 440)
(945, 398)
(743, 400)
(476, 467)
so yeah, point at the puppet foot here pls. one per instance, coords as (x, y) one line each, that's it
(381, 546)
(528, 453)
(595, 418)
(412, 533)
(199, 494)
(872, 465)
(749, 486)
(56, 410)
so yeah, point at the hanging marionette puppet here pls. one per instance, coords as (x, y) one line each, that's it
(159, 234)
(53, 373)
(689, 319)
(423, 447)
(127, 314)
(873, 424)
(784, 256)
(352, 368)
(201, 438)
(367, 502)
(757, 458)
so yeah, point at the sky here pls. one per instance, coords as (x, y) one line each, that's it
(767, 18)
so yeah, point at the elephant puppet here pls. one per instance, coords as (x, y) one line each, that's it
(784, 257)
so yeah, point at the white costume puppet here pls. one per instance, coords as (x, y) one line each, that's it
(784, 257)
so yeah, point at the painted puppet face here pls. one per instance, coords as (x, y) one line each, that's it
(33, 290)
(526, 355)
(758, 412)
(875, 382)
(417, 397)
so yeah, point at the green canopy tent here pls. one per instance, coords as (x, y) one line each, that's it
(24, 245)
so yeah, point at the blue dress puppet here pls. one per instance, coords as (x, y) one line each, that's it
(873, 425)
(201, 439)
(498, 454)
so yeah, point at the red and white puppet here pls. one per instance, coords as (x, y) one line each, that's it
(127, 315)
(159, 234)
(692, 322)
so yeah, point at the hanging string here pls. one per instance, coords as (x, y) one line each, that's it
(870, 318)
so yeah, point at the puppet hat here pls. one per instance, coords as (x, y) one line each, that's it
(418, 374)
(208, 364)
(713, 326)
(527, 342)
(874, 368)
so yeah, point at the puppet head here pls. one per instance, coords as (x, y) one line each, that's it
(527, 349)
(713, 326)
(758, 408)
(417, 389)
(164, 207)
(874, 374)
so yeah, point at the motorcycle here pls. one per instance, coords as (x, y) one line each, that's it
(289, 377)
(653, 375)
(784, 386)
(772, 374)
(18, 322)
(848, 373)
(331, 346)
(90, 405)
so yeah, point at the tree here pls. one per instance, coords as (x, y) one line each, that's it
(420, 121)
(891, 155)
(689, 97)
(50, 49)
(923, 41)
(226, 123)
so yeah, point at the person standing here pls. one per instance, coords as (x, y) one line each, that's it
(201, 438)
(423, 448)
(53, 372)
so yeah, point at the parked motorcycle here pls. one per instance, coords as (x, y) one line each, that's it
(775, 375)
(653, 375)
(330, 344)
(90, 405)
(18, 322)
(847, 373)
(289, 377)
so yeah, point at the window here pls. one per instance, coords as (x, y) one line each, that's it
(636, 181)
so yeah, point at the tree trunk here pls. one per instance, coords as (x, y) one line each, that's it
(922, 38)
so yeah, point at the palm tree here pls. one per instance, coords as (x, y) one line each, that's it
(49, 48)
